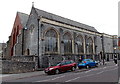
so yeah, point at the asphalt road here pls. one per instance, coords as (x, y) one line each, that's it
(107, 73)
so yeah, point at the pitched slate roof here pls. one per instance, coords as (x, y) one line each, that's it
(64, 20)
(23, 18)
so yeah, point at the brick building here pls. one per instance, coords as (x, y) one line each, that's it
(119, 42)
(19, 24)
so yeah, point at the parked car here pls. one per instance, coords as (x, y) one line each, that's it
(87, 63)
(61, 67)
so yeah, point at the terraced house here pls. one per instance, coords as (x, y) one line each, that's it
(53, 38)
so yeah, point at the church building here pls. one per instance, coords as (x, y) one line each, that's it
(54, 38)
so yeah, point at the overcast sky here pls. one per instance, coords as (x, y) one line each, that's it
(101, 14)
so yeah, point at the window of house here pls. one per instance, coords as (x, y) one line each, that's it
(79, 42)
(51, 41)
(67, 43)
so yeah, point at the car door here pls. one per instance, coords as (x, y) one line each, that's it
(92, 62)
(63, 66)
(68, 65)
(89, 62)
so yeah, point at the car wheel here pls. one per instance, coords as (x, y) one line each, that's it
(87, 66)
(96, 65)
(79, 67)
(57, 71)
(48, 73)
(73, 69)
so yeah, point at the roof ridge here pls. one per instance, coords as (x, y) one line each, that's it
(60, 18)
(22, 13)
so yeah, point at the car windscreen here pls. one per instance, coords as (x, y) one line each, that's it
(57, 64)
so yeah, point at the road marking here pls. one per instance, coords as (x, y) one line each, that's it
(104, 67)
(43, 80)
(79, 73)
(78, 78)
(88, 75)
(51, 79)
(58, 77)
(100, 72)
(88, 71)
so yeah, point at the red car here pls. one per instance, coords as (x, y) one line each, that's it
(61, 67)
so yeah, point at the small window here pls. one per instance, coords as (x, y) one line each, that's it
(32, 28)
(91, 60)
(63, 63)
(71, 61)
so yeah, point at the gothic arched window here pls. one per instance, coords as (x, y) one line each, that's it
(90, 46)
(51, 41)
(79, 44)
(32, 27)
(67, 43)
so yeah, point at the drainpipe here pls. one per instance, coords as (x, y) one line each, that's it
(22, 40)
(103, 55)
(38, 45)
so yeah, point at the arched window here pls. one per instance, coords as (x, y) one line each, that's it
(28, 52)
(67, 43)
(51, 41)
(79, 44)
(32, 27)
(90, 46)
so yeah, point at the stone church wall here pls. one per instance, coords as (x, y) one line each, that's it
(9, 66)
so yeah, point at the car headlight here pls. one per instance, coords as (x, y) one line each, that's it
(96, 62)
(51, 68)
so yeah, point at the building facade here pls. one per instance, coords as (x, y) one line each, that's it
(2, 47)
(53, 38)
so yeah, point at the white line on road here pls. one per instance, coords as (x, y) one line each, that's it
(88, 71)
(104, 67)
(51, 79)
(79, 73)
(100, 72)
(43, 80)
(58, 77)
(78, 78)
(89, 75)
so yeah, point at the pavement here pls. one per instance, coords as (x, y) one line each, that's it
(36, 73)
(21, 75)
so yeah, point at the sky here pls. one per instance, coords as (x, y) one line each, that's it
(101, 14)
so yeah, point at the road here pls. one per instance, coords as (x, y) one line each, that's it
(106, 73)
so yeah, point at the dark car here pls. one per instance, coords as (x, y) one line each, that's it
(61, 67)
(87, 63)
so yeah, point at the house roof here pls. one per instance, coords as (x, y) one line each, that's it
(23, 18)
(64, 20)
